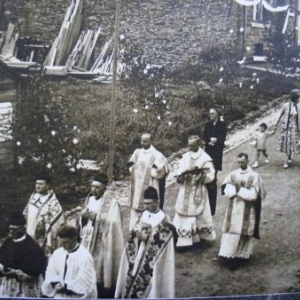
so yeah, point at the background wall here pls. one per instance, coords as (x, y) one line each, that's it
(170, 31)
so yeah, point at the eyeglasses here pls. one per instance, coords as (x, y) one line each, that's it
(15, 228)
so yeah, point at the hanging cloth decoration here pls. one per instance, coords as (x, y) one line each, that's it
(248, 2)
(266, 5)
(270, 8)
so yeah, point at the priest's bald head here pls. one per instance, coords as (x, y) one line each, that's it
(194, 143)
(146, 140)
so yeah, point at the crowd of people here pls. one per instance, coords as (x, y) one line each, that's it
(44, 256)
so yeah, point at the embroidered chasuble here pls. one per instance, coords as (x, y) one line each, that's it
(103, 237)
(44, 216)
(193, 218)
(245, 191)
(147, 267)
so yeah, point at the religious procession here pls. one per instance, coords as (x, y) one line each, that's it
(44, 256)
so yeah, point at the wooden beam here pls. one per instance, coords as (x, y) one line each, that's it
(111, 150)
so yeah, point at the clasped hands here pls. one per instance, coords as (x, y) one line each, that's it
(88, 214)
(14, 273)
(213, 141)
(144, 233)
(57, 286)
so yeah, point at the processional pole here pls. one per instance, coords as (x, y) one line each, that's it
(111, 149)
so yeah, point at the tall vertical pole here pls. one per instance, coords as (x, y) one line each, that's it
(298, 22)
(111, 149)
(30, 17)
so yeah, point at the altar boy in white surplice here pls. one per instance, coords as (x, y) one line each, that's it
(70, 272)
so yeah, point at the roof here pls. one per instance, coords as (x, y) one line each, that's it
(8, 71)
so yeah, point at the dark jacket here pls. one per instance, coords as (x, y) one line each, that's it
(218, 131)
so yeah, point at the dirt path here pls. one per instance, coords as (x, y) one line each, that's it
(275, 265)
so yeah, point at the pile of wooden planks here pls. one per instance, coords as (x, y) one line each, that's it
(71, 52)
(82, 52)
(66, 39)
(9, 41)
(78, 61)
(104, 60)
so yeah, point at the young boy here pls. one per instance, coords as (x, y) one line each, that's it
(260, 144)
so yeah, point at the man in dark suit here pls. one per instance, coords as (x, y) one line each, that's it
(214, 136)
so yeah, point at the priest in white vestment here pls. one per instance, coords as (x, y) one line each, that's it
(147, 267)
(100, 230)
(240, 229)
(147, 167)
(70, 272)
(193, 218)
(44, 214)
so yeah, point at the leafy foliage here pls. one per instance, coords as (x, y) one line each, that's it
(45, 131)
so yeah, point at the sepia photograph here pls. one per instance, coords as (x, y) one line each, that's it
(150, 149)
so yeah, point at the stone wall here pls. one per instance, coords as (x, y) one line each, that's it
(169, 31)
(40, 19)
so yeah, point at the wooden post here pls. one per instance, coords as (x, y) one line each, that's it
(111, 149)
(30, 17)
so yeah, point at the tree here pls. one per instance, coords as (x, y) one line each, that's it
(45, 131)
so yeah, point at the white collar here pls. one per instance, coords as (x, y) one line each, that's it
(152, 219)
(150, 149)
(20, 239)
(245, 171)
(92, 197)
(49, 192)
(195, 155)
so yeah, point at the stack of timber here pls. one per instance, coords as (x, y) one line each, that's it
(66, 39)
(82, 52)
(103, 64)
(71, 53)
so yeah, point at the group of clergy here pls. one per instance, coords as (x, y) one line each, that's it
(44, 256)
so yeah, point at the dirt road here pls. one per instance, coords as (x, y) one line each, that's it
(275, 265)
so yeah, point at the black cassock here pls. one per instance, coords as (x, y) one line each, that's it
(25, 255)
(218, 131)
(215, 152)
